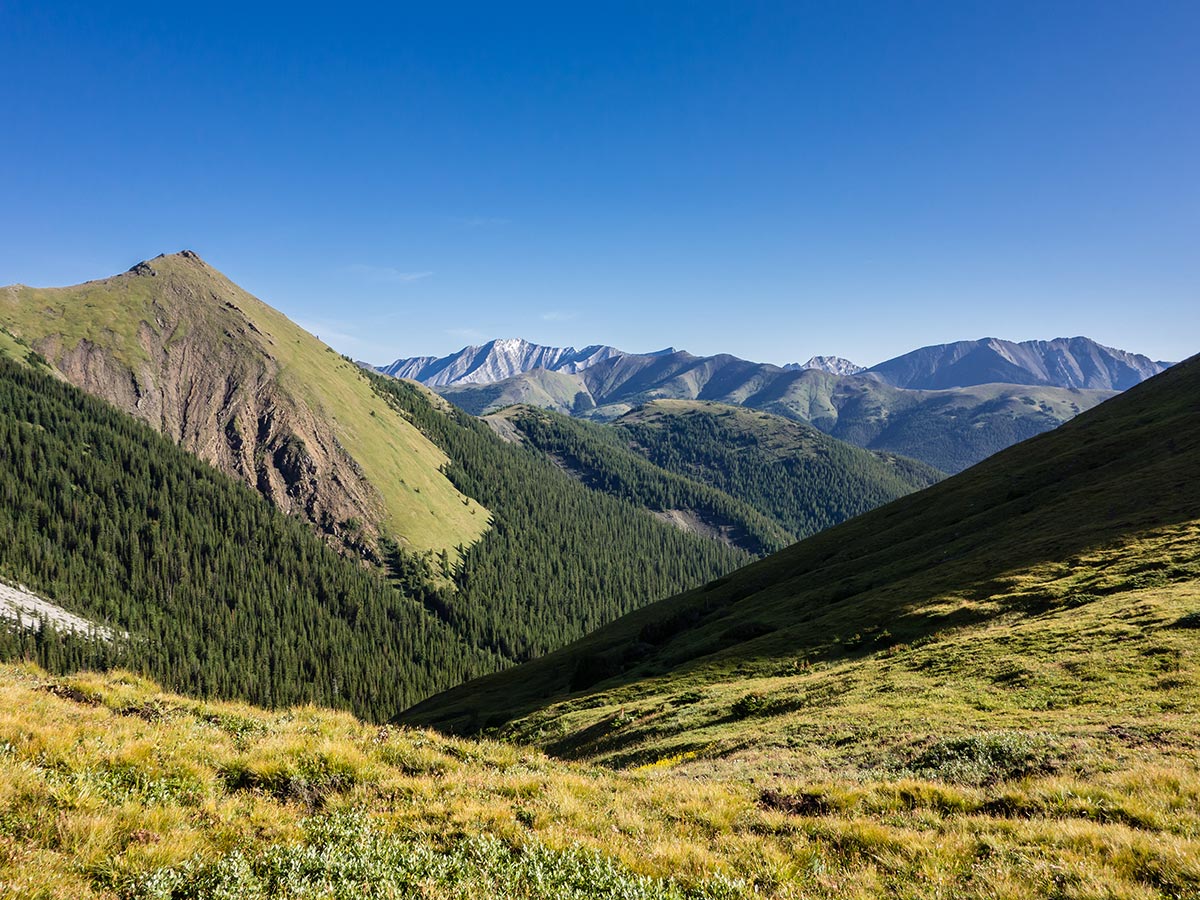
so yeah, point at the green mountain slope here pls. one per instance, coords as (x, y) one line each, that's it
(220, 593)
(947, 429)
(786, 469)
(751, 479)
(177, 344)
(111, 789)
(560, 558)
(1051, 590)
(600, 458)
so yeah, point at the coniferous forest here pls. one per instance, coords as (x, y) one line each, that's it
(560, 559)
(220, 593)
(790, 471)
(223, 595)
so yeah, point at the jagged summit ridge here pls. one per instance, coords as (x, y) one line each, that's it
(497, 360)
(834, 365)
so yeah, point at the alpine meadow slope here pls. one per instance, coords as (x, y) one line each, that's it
(1051, 590)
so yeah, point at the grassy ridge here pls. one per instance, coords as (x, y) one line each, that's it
(110, 788)
(1033, 530)
(196, 313)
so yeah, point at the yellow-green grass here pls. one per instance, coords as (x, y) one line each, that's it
(13, 349)
(109, 788)
(421, 507)
(19, 351)
(1081, 656)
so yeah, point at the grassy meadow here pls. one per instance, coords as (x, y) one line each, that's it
(110, 788)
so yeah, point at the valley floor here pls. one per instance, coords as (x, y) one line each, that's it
(111, 788)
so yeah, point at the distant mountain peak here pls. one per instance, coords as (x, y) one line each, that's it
(497, 360)
(1076, 362)
(834, 365)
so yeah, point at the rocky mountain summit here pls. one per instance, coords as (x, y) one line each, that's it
(497, 360)
(834, 365)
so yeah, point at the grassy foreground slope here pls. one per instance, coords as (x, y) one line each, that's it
(112, 789)
(1052, 590)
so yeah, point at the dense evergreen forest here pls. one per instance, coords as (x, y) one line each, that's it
(790, 471)
(776, 480)
(560, 559)
(600, 456)
(221, 594)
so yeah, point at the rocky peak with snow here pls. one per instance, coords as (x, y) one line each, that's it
(497, 360)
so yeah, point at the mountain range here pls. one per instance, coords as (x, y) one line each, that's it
(976, 686)
(1026, 589)
(1002, 393)
(500, 359)
(1077, 362)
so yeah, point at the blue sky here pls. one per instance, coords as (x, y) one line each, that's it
(770, 180)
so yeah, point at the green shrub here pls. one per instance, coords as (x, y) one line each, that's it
(986, 758)
(345, 857)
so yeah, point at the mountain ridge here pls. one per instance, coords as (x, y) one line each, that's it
(949, 429)
(1076, 362)
(1078, 524)
(175, 343)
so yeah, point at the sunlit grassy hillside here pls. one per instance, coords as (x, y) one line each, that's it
(109, 788)
(1050, 587)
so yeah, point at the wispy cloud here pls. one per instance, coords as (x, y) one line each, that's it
(558, 315)
(477, 221)
(466, 334)
(384, 274)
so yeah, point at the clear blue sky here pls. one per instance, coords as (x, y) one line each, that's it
(772, 180)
